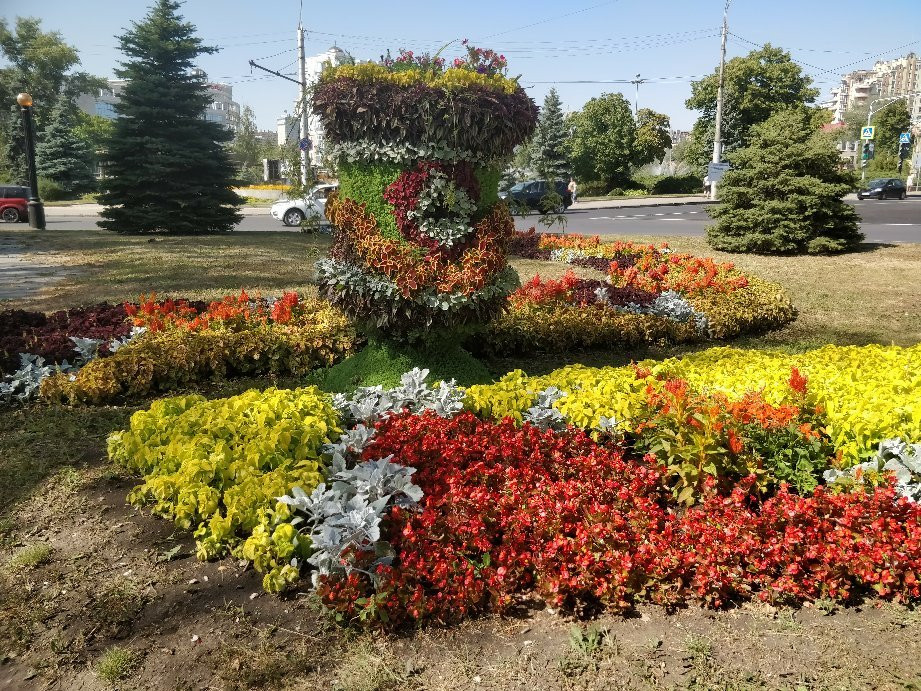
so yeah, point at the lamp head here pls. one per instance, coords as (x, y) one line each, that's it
(24, 99)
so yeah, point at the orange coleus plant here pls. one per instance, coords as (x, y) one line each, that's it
(483, 257)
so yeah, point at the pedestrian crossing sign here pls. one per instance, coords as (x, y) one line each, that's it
(867, 132)
(905, 138)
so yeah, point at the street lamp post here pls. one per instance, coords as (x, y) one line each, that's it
(36, 210)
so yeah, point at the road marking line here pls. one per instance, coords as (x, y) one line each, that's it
(674, 219)
(901, 224)
(677, 213)
(659, 214)
(693, 212)
(600, 218)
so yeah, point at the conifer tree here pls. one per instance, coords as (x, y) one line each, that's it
(62, 155)
(550, 140)
(784, 193)
(168, 168)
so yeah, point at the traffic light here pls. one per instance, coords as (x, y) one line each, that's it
(867, 153)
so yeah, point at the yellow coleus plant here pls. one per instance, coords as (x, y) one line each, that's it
(451, 79)
(867, 393)
(212, 466)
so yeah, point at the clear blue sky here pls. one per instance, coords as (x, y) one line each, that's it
(669, 42)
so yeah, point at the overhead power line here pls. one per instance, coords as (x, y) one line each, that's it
(552, 19)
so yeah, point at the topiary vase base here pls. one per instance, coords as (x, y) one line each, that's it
(383, 362)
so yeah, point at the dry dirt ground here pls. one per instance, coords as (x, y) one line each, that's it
(84, 573)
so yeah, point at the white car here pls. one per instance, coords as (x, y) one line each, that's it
(292, 211)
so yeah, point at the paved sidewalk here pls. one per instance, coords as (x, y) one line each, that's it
(639, 201)
(21, 276)
(95, 209)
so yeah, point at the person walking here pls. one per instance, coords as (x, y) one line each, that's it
(573, 189)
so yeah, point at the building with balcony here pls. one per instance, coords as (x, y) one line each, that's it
(222, 109)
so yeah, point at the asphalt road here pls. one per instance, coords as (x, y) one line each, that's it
(882, 221)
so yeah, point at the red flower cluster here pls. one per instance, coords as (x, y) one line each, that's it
(657, 271)
(482, 60)
(513, 511)
(790, 548)
(230, 312)
(572, 290)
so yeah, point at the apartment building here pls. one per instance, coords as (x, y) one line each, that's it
(888, 78)
(222, 109)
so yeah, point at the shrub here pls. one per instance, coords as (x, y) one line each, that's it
(785, 193)
(593, 189)
(51, 191)
(170, 359)
(213, 466)
(669, 184)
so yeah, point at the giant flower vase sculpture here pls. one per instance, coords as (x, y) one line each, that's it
(420, 233)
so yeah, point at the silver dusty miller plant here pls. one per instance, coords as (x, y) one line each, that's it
(542, 414)
(344, 517)
(25, 383)
(894, 456)
(370, 404)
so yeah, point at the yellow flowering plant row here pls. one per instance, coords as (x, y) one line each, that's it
(451, 79)
(866, 394)
(167, 360)
(217, 466)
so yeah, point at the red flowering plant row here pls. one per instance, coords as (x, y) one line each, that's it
(232, 312)
(515, 512)
(48, 336)
(572, 290)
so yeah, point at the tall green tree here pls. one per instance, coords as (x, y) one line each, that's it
(756, 86)
(653, 137)
(890, 122)
(248, 150)
(62, 155)
(550, 140)
(42, 64)
(167, 166)
(784, 194)
(602, 143)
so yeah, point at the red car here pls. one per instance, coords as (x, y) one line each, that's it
(13, 204)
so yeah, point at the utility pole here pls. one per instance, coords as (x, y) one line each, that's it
(302, 141)
(718, 129)
(636, 103)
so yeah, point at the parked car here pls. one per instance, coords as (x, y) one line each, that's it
(14, 202)
(884, 188)
(292, 211)
(529, 194)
